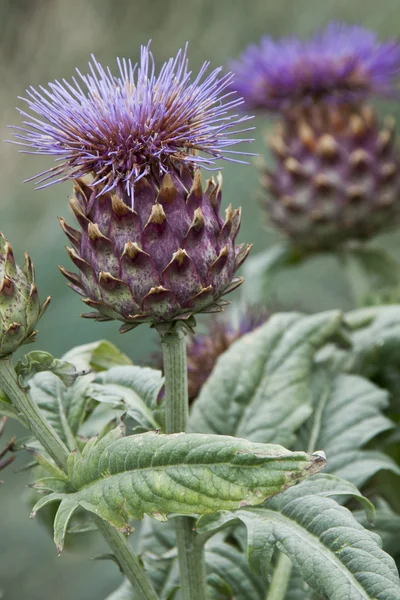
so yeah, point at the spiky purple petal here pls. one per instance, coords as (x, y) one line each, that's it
(120, 128)
(341, 63)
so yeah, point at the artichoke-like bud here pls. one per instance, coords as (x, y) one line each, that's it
(336, 178)
(171, 257)
(20, 308)
(153, 246)
(204, 349)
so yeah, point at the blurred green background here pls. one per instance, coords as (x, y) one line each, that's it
(42, 40)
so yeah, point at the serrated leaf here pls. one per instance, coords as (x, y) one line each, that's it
(130, 389)
(260, 388)
(335, 555)
(348, 413)
(38, 361)
(67, 408)
(119, 477)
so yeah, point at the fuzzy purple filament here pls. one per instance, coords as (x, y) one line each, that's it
(120, 128)
(341, 63)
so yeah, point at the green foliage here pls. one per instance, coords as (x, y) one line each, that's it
(260, 388)
(134, 390)
(336, 557)
(348, 413)
(117, 477)
(39, 361)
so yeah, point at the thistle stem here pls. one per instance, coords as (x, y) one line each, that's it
(280, 578)
(190, 552)
(38, 425)
(56, 448)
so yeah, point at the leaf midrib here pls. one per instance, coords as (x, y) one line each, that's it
(314, 542)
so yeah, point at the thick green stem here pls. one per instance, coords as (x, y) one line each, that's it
(128, 562)
(280, 578)
(56, 448)
(41, 429)
(190, 552)
(176, 385)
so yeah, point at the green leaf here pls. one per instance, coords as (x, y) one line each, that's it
(261, 269)
(347, 415)
(260, 388)
(375, 336)
(227, 567)
(39, 361)
(386, 524)
(99, 356)
(67, 408)
(130, 389)
(370, 269)
(334, 554)
(120, 477)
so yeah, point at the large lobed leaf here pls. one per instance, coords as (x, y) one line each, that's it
(348, 413)
(334, 554)
(260, 388)
(117, 477)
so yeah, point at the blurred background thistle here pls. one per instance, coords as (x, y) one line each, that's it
(40, 41)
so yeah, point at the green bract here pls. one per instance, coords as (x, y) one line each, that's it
(20, 309)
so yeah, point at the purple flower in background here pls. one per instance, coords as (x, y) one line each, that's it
(343, 63)
(120, 128)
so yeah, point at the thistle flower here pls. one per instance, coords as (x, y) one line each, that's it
(153, 246)
(204, 349)
(20, 309)
(4, 462)
(337, 172)
(122, 128)
(343, 63)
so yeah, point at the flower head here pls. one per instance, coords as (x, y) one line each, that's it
(120, 128)
(342, 63)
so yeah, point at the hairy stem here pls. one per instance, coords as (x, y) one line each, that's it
(38, 425)
(56, 448)
(280, 578)
(190, 553)
(128, 562)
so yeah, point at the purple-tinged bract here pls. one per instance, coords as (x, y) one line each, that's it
(342, 63)
(171, 257)
(120, 128)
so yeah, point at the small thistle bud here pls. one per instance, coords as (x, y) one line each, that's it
(20, 309)
(337, 170)
(152, 245)
(204, 349)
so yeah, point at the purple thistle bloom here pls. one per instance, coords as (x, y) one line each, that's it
(343, 63)
(121, 128)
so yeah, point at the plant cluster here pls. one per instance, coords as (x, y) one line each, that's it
(262, 460)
